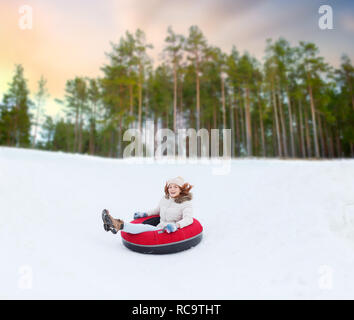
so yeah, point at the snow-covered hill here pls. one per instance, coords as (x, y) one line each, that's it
(272, 229)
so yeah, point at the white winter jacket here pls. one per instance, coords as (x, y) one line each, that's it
(174, 211)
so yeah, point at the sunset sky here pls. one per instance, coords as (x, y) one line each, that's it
(70, 38)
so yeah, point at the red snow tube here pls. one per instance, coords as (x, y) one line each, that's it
(160, 242)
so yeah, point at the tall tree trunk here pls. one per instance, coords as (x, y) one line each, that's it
(91, 144)
(181, 118)
(36, 126)
(322, 141)
(275, 145)
(232, 125)
(243, 130)
(276, 120)
(68, 141)
(8, 138)
(326, 138)
(223, 101)
(80, 133)
(264, 151)
(93, 130)
(119, 137)
(301, 129)
(198, 91)
(292, 144)
(147, 105)
(15, 134)
(313, 114)
(237, 127)
(140, 87)
(248, 123)
(296, 131)
(104, 143)
(76, 129)
(130, 99)
(155, 131)
(282, 122)
(307, 130)
(214, 117)
(255, 134)
(330, 141)
(338, 143)
(111, 145)
(92, 140)
(174, 97)
(166, 114)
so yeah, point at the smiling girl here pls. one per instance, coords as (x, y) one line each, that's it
(175, 210)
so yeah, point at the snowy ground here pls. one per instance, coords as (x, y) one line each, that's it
(272, 229)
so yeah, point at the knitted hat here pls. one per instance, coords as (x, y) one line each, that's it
(178, 181)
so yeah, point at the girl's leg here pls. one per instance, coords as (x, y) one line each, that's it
(138, 227)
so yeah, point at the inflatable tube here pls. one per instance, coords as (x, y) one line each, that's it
(160, 242)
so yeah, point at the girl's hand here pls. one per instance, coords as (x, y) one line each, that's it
(138, 215)
(171, 227)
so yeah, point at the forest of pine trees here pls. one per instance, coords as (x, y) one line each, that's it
(291, 105)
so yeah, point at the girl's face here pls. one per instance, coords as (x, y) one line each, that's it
(174, 190)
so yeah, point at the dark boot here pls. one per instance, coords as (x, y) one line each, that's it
(111, 224)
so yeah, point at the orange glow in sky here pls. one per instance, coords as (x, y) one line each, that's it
(70, 38)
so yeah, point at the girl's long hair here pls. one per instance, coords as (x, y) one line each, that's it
(184, 191)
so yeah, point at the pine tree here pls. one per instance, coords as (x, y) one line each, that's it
(196, 45)
(174, 49)
(15, 117)
(40, 98)
(310, 68)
